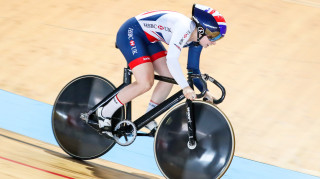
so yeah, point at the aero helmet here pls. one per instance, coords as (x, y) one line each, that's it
(209, 22)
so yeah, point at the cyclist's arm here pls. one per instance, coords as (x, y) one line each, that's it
(193, 63)
(179, 37)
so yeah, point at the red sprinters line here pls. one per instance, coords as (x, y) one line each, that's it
(35, 168)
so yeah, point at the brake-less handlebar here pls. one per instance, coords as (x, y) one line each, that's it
(205, 77)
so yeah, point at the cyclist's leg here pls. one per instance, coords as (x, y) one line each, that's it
(158, 57)
(134, 49)
(162, 89)
(144, 75)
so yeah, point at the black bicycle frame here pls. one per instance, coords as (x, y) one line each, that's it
(158, 110)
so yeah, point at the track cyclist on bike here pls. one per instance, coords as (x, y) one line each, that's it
(139, 39)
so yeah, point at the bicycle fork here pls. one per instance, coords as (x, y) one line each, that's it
(192, 142)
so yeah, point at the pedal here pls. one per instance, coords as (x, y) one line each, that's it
(95, 126)
(93, 123)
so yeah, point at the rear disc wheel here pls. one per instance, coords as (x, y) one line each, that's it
(73, 135)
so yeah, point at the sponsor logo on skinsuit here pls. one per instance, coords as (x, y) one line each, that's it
(134, 50)
(184, 36)
(130, 33)
(155, 26)
(160, 27)
(132, 43)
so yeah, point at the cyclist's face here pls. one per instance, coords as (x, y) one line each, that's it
(205, 42)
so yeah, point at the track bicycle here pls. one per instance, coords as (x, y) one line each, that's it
(195, 139)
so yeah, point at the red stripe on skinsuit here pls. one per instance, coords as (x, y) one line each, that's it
(138, 61)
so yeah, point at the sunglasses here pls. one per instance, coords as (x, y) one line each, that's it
(213, 36)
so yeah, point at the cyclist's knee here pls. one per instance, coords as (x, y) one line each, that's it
(144, 75)
(146, 85)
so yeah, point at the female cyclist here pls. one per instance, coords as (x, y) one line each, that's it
(139, 39)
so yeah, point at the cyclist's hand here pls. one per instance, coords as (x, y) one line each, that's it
(209, 97)
(189, 93)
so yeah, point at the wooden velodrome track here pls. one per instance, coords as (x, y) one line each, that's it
(53, 162)
(269, 63)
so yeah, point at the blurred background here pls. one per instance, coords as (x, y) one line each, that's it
(268, 62)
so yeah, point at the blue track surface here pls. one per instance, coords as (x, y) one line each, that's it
(33, 119)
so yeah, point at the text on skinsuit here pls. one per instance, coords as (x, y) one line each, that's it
(155, 26)
(184, 36)
(131, 42)
(130, 33)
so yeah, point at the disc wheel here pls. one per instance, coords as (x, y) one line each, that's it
(215, 143)
(74, 136)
